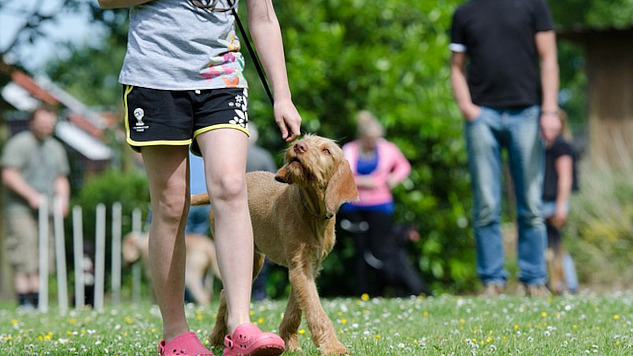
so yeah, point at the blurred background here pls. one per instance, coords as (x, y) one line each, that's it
(387, 56)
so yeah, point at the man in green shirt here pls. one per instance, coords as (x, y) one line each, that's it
(34, 170)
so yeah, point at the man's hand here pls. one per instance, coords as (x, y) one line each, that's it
(35, 201)
(550, 125)
(62, 206)
(471, 112)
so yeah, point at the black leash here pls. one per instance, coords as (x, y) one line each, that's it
(232, 5)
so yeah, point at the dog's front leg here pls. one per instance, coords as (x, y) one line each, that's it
(321, 327)
(288, 329)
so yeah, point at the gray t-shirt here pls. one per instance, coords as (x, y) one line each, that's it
(173, 45)
(39, 162)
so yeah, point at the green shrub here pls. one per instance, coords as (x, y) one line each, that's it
(599, 233)
(130, 189)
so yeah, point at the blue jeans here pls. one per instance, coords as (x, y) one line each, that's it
(198, 220)
(517, 131)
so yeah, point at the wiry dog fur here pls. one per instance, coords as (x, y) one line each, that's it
(201, 263)
(293, 216)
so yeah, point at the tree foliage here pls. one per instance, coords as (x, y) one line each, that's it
(387, 56)
(592, 13)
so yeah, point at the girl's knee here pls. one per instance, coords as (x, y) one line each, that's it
(170, 209)
(229, 188)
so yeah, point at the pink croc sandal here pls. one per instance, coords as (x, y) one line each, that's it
(186, 344)
(248, 340)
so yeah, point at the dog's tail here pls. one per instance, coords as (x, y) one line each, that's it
(200, 199)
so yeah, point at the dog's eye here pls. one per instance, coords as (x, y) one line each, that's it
(326, 151)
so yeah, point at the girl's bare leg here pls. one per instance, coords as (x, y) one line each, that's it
(167, 174)
(224, 152)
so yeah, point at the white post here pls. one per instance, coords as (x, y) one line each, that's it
(116, 253)
(43, 246)
(136, 268)
(100, 256)
(78, 249)
(60, 258)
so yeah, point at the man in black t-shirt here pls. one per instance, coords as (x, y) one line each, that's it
(505, 98)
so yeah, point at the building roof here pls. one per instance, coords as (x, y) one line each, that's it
(83, 127)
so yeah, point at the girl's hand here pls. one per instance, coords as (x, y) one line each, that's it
(559, 219)
(288, 119)
(366, 182)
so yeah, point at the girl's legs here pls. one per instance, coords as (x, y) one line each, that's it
(167, 174)
(224, 152)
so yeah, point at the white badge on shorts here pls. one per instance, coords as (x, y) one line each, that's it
(140, 126)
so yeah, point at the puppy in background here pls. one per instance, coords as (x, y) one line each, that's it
(201, 262)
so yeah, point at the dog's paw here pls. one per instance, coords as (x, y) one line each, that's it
(292, 343)
(338, 349)
(216, 339)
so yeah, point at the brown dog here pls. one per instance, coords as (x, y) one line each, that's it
(201, 260)
(293, 216)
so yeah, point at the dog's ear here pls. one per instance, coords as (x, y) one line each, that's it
(341, 188)
(283, 175)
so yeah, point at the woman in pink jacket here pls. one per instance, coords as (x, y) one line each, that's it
(378, 166)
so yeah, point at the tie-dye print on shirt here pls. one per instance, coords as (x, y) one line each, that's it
(173, 45)
(228, 67)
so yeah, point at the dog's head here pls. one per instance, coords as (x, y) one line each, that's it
(131, 247)
(314, 162)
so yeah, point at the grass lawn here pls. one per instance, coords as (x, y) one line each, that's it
(445, 325)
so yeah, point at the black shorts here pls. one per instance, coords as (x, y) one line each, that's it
(163, 117)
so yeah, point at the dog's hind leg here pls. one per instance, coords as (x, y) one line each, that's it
(258, 262)
(290, 324)
(220, 328)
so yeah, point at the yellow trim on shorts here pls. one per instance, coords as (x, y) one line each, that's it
(128, 90)
(136, 145)
(221, 126)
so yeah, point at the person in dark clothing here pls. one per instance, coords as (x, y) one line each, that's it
(378, 166)
(396, 270)
(559, 183)
(505, 79)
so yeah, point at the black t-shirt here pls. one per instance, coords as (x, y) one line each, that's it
(498, 38)
(559, 148)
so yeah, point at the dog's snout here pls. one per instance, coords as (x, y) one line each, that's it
(300, 147)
